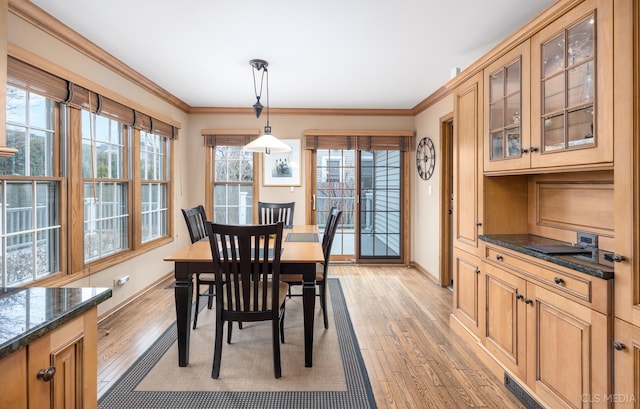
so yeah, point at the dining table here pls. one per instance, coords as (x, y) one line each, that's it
(301, 252)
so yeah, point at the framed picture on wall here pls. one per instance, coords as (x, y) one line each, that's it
(283, 169)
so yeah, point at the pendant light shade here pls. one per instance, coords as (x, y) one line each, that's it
(267, 143)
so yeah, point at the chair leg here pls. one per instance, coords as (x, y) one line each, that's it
(195, 315)
(282, 325)
(229, 330)
(217, 352)
(323, 303)
(276, 348)
(210, 296)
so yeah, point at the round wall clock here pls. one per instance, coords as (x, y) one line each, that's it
(425, 158)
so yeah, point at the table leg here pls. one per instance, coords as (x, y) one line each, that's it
(183, 295)
(308, 305)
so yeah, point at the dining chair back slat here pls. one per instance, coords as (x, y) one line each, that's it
(195, 218)
(276, 212)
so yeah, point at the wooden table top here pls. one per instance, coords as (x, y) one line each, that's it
(294, 251)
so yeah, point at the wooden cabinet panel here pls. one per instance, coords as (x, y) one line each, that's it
(467, 291)
(626, 365)
(568, 359)
(506, 322)
(467, 181)
(13, 389)
(71, 350)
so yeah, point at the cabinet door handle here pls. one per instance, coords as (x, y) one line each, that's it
(618, 258)
(528, 301)
(499, 257)
(477, 271)
(558, 280)
(523, 151)
(519, 296)
(618, 346)
(46, 374)
(479, 224)
(533, 149)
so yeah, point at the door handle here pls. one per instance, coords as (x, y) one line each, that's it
(313, 202)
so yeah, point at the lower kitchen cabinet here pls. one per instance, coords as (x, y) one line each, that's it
(57, 370)
(468, 308)
(568, 354)
(506, 320)
(626, 365)
(555, 346)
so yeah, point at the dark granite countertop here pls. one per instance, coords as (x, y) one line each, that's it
(517, 242)
(26, 314)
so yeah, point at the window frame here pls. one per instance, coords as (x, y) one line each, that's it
(70, 100)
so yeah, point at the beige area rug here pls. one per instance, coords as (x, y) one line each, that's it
(338, 378)
(248, 360)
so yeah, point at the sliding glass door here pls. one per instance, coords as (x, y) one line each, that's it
(380, 221)
(367, 186)
(335, 186)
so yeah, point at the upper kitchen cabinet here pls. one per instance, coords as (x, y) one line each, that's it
(506, 130)
(572, 89)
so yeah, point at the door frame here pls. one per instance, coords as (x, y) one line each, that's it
(446, 192)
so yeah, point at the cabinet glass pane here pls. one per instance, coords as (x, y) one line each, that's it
(553, 89)
(580, 127)
(553, 56)
(580, 40)
(497, 86)
(581, 84)
(497, 114)
(513, 78)
(512, 112)
(553, 133)
(514, 145)
(497, 146)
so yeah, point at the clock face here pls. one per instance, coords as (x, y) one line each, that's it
(425, 158)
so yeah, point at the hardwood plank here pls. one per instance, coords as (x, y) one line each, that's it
(401, 319)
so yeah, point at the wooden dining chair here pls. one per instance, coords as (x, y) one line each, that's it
(276, 212)
(322, 269)
(195, 218)
(247, 260)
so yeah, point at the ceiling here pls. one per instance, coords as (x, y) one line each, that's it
(369, 54)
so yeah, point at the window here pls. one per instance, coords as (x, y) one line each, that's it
(106, 208)
(233, 185)
(154, 166)
(230, 189)
(29, 190)
(91, 179)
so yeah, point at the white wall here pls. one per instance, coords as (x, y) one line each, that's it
(425, 207)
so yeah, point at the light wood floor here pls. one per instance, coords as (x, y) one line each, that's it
(401, 319)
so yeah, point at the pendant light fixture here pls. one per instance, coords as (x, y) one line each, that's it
(267, 143)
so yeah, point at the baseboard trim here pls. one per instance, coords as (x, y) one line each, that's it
(134, 297)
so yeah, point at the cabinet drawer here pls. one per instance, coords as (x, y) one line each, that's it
(576, 285)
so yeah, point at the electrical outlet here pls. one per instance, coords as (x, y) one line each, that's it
(588, 239)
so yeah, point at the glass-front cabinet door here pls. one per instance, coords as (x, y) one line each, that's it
(572, 90)
(507, 117)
